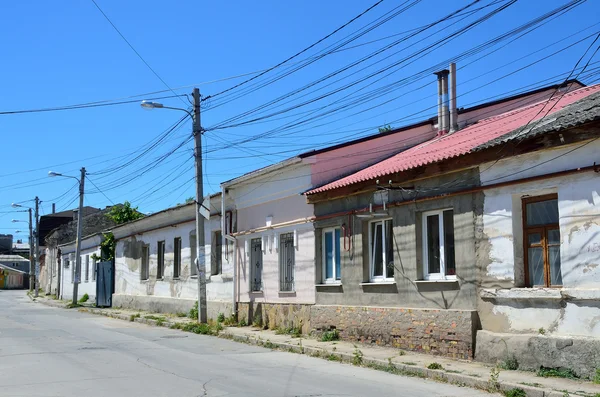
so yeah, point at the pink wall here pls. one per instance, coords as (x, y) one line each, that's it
(335, 164)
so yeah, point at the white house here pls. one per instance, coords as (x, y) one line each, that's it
(90, 251)
(154, 262)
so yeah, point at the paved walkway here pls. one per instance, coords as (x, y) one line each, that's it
(460, 372)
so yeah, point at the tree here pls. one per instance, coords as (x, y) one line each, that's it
(124, 213)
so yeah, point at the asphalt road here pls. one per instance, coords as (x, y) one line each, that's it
(46, 351)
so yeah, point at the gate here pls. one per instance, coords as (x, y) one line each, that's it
(104, 284)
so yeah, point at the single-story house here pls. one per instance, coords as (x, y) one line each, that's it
(477, 243)
(155, 262)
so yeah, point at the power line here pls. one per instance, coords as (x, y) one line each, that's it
(299, 52)
(92, 182)
(80, 106)
(133, 49)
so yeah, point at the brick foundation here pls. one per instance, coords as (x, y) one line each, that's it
(275, 315)
(449, 333)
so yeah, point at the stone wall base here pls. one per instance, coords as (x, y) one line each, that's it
(449, 333)
(275, 315)
(532, 351)
(156, 304)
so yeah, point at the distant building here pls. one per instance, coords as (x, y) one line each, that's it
(6, 243)
(15, 262)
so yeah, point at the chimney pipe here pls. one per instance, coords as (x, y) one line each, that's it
(440, 100)
(443, 111)
(453, 108)
(54, 208)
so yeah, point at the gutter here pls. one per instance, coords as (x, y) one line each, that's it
(276, 226)
(595, 168)
(234, 240)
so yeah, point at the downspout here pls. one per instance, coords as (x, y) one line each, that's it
(235, 278)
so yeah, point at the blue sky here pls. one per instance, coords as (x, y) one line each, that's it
(64, 53)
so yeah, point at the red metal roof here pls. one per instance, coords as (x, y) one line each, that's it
(461, 142)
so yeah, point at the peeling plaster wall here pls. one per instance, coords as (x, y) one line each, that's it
(128, 261)
(576, 308)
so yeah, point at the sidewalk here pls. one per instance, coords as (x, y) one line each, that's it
(460, 372)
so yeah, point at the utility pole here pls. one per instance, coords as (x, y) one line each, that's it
(201, 258)
(36, 252)
(31, 259)
(78, 241)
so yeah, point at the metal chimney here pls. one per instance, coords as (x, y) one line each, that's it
(54, 208)
(443, 110)
(453, 108)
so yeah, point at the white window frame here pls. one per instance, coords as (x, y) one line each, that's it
(442, 275)
(334, 279)
(372, 277)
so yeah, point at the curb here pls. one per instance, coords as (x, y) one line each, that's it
(460, 380)
(398, 369)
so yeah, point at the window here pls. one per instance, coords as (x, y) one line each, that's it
(160, 253)
(73, 273)
(331, 256)
(381, 250)
(193, 254)
(87, 268)
(176, 257)
(256, 263)
(438, 245)
(215, 255)
(286, 262)
(94, 269)
(542, 241)
(145, 271)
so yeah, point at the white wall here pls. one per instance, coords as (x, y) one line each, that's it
(304, 262)
(127, 268)
(85, 286)
(275, 197)
(579, 223)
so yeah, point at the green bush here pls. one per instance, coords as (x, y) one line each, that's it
(435, 365)
(516, 392)
(510, 363)
(597, 376)
(193, 314)
(84, 298)
(557, 373)
(329, 336)
(221, 318)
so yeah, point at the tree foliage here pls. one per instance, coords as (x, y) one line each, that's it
(107, 247)
(124, 213)
(385, 128)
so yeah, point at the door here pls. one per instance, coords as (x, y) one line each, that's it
(104, 284)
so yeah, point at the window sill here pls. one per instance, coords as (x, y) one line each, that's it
(261, 292)
(287, 293)
(329, 285)
(556, 293)
(372, 283)
(436, 281)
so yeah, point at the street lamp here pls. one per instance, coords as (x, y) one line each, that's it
(200, 259)
(79, 227)
(33, 250)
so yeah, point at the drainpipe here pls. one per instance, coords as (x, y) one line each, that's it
(235, 278)
(453, 108)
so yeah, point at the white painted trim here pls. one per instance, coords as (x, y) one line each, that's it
(378, 283)
(334, 280)
(427, 276)
(384, 278)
